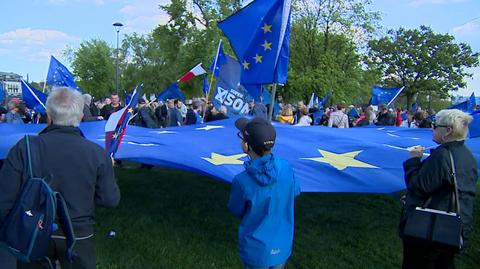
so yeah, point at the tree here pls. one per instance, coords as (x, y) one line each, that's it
(422, 61)
(190, 37)
(324, 50)
(94, 65)
(348, 17)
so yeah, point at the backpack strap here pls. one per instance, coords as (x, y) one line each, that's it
(29, 156)
(65, 223)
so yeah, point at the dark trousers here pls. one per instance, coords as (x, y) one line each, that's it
(84, 250)
(417, 257)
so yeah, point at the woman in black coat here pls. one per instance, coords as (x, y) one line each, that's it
(432, 178)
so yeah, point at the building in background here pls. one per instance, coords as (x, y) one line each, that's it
(11, 84)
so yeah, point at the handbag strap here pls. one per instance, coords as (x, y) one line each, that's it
(455, 186)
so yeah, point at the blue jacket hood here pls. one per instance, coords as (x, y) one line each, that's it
(263, 169)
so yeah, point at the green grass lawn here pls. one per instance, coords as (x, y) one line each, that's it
(173, 219)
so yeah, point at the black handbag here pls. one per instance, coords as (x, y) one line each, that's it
(436, 228)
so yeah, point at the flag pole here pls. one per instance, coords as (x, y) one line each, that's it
(395, 97)
(214, 68)
(272, 102)
(207, 95)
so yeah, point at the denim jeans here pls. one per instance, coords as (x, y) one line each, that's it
(280, 266)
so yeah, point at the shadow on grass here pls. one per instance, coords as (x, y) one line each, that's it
(174, 219)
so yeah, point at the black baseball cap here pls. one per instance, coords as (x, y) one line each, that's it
(258, 133)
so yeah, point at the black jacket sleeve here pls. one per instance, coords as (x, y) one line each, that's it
(147, 118)
(107, 193)
(87, 115)
(11, 178)
(425, 178)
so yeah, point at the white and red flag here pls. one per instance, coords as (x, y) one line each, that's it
(196, 71)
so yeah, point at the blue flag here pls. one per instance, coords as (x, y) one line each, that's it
(364, 159)
(172, 92)
(33, 98)
(267, 100)
(2, 93)
(255, 91)
(472, 102)
(58, 75)
(205, 84)
(467, 106)
(260, 35)
(384, 95)
(218, 60)
(229, 92)
(322, 102)
(128, 97)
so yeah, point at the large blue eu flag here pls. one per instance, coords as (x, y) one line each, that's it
(58, 75)
(260, 35)
(384, 95)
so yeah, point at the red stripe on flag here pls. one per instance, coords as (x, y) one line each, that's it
(187, 76)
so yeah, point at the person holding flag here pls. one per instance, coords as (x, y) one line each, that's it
(116, 125)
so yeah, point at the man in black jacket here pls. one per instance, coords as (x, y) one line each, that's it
(385, 118)
(78, 169)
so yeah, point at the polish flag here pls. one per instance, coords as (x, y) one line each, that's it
(196, 71)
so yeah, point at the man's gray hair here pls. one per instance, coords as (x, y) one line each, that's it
(87, 98)
(65, 107)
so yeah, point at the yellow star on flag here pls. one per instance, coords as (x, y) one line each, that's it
(258, 58)
(267, 28)
(267, 45)
(246, 65)
(115, 135)
(342, 160)
(219, 159)
(130, 110)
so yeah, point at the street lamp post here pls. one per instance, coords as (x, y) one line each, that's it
(117, 26)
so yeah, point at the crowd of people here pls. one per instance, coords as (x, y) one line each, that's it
(175, 112)
(262, 196)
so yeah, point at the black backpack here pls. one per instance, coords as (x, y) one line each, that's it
(37, 213)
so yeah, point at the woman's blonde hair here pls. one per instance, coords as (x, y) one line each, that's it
(455, 119)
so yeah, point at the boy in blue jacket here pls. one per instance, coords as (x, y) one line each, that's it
(263, 197)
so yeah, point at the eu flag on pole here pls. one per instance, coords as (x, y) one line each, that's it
(33, 98)
(260, 35)
(58, 75)
(384, 95)
(172, 92)
(219, 60)
(116, 125)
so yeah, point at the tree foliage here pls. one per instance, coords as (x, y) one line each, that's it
(424, 62)
(325, 40)
(94, 65)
